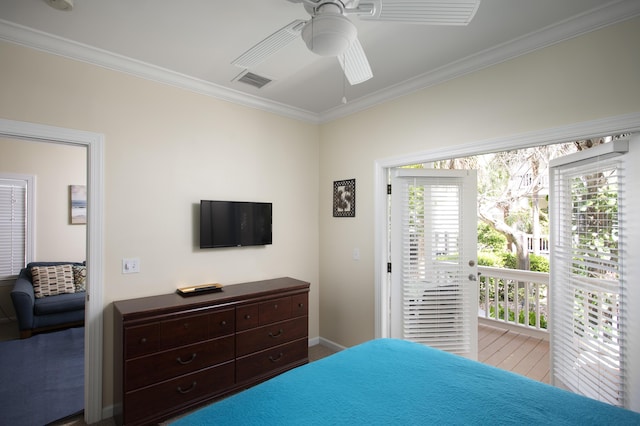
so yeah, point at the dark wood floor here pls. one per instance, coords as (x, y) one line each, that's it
(528, 356)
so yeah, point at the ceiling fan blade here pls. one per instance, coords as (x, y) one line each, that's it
(355, 64)
(433, 12)
(269, 45)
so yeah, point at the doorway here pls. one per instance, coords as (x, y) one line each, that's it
(93, 142)
(598, 128)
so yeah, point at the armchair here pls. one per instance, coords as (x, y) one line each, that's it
(45, 313)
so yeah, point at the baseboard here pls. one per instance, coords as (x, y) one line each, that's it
(332, 345)
(107, 412)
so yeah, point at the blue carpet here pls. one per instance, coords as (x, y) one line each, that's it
(42, 378)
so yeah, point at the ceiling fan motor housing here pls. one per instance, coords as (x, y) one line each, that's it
(329, 33)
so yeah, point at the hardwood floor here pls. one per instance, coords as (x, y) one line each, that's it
(528, 356)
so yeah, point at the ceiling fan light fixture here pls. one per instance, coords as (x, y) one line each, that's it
(60, 4)
(329, 34)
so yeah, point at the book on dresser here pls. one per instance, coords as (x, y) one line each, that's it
(174, 353)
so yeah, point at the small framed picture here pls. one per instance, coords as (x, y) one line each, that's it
(344, 198)
(78, 204)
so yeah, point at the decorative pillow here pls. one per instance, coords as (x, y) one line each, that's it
(80, 278)
(52, 280)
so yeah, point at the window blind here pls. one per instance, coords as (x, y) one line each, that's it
(588, 304)
(13, 227)
(433, 299)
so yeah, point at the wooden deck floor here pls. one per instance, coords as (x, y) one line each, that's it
(515, 352)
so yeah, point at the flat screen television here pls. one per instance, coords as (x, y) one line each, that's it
(234, 224)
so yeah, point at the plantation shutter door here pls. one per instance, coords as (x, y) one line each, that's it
(13, 227)
(588, 304)
(434, 293)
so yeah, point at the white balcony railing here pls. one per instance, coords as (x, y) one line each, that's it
(514, 298)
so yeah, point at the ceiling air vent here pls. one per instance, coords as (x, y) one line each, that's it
(254, 80)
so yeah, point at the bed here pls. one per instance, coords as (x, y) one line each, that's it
(389, 381)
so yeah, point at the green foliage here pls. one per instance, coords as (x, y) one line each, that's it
(510, 260)
(538, 263)
(512, 316)
(490, 259)
(489, 239)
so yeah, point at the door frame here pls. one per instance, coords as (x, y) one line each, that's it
(628, 123)
(93, 333)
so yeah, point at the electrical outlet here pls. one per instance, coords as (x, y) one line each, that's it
(356, 254)
(131, 265)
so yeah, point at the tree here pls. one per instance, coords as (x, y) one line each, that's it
(511, 186)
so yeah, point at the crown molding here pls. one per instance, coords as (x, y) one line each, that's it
(608, 14)
(49, 43)
(597, 18)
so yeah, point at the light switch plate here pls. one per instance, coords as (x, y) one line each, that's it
(131, 265)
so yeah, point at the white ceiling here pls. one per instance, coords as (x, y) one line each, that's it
(191, 43)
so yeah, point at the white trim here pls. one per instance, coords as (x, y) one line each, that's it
(608, 14)
(628, 123)
(95, 242)
(614, 148)
(331, 345)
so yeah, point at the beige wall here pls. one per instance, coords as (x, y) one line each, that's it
(55, 167)
(165, 149)
(590, 77)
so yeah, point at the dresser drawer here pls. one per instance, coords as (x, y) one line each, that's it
(152, 401)
(275, 310)
(257, 314)
(299, 305)
(270, 335)
(222, 323)
(189, 329)
(146, 370)
(141, 340)
(184, 330)
(279, 357)
(247, 316)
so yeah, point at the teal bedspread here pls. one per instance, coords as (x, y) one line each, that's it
(395, 382)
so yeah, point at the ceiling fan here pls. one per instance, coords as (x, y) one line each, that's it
(329, 32)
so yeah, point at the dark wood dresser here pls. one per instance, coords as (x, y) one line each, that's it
(173, 353)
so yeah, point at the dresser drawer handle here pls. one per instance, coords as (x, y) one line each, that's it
(300, 305)
(278, 334)
(247, 316)
(192, 387)
(272, 359)
(143, 340)
(179, 359)
(223, 323)
(275, 306)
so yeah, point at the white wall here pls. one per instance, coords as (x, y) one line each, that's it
(586, 78)
(165, 149)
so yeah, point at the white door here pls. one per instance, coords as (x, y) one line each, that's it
(434, 288)
(592, 256)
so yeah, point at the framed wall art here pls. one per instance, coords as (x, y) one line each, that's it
(344, 198)
(78, 204)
